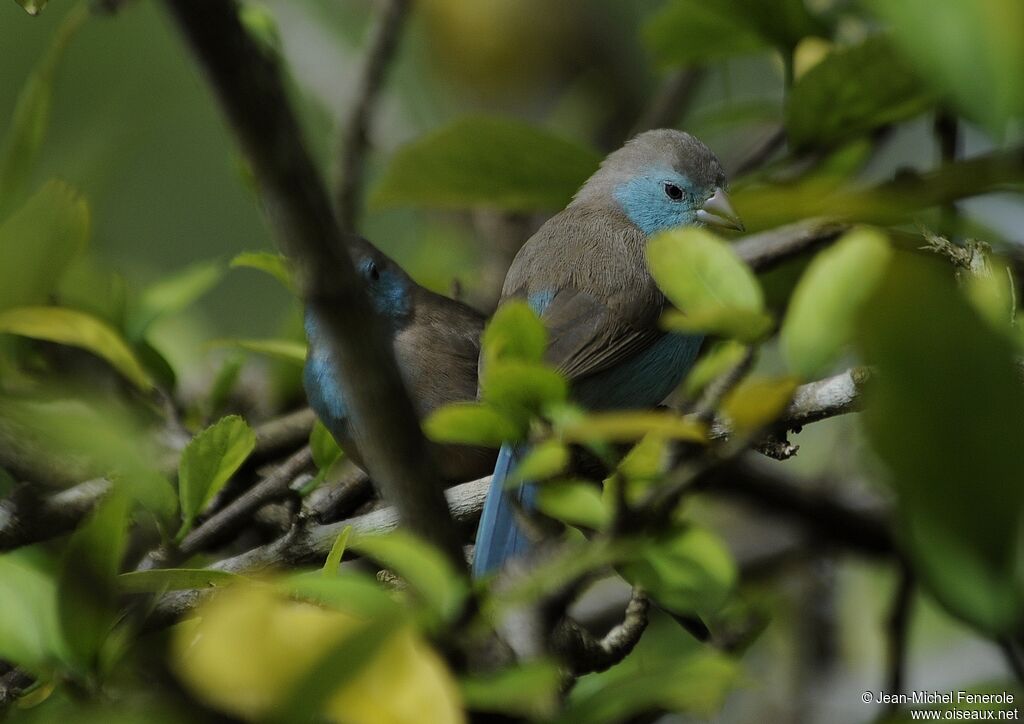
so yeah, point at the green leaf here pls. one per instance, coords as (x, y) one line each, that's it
(471, 423)
(631, 426)
(831, 294)
(175, 579)
(173, 293)
(39, 241)
(488, 162)
(323, 446)
(530, 689)
(852, 92)
(208, 461)
(755, 403)
(276, 265)
(283, 349)
(31, 116)
(946, 416)
(514, 332)
(543, 461)
(426, 571)
(522, 389)
(741, 325)
(259, 23)
(686, 32)
(689, 571)
(576, 502)
(87, 587)
(696, 683)
(77, 329)
(337, 551)
(719, 359)
(970, 50)
(702, 276)
(29, 632)
(349, 591)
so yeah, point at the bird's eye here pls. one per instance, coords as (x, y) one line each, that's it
(673, 192)
(373, 272)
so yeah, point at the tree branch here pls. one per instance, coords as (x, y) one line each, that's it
(25, 519)
(585, 653)
(283, 434)
(248, 83)
(671, 100)
(767, 249)
(379, 54)
(231, 518)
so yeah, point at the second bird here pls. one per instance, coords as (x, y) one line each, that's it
(436, 342)
(585, 273)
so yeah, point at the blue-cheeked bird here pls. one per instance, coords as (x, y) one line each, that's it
(585, 273)
(436, 343)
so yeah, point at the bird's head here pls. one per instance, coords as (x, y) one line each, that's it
(387, 284)
(662, 179)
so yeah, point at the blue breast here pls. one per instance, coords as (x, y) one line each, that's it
(324, 392)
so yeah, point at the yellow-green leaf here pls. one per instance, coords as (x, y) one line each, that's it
(631, 426)
(39, 241)
(77, 329)
(323, 446)
(702, 276)
(723, 356)
(283, 349)
(208, 461)
(829, 298)
(544, 460)
(337, 551)
(514, 332)
(31, 115)
(174, 579)
(754, 403)
(471, 423)
(173, 293)
(576, 502)
(276, 265)
(742, 325)
(522, 389)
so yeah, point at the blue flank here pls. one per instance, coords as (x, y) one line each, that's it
(318, 377)
(643, 380)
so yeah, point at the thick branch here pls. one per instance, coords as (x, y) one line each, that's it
(249, 86)
(585, 653)
(379, 54)
(822, 516)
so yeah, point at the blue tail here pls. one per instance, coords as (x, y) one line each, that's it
(499, 538)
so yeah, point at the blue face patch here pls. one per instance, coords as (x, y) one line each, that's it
(388, 290)
(659, 199)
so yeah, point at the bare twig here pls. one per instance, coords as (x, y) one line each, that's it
(25, 519)
(768, 249)
(249, 86)
(585, 653)
(671, 100)
(761, 153)
(306, 544)
(1014, 657)
(233, 517)
(379, 54)
(898, 630)
(283, 434)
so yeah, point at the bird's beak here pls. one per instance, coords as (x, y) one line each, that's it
(717, 211)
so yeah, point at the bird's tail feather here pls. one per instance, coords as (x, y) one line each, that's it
(499, 537)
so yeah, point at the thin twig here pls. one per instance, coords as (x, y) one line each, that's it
(671, 101)
(25, 519)
(898, 633)
(234, 516)
(248, 83)
(380, 52)
(283, 434)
